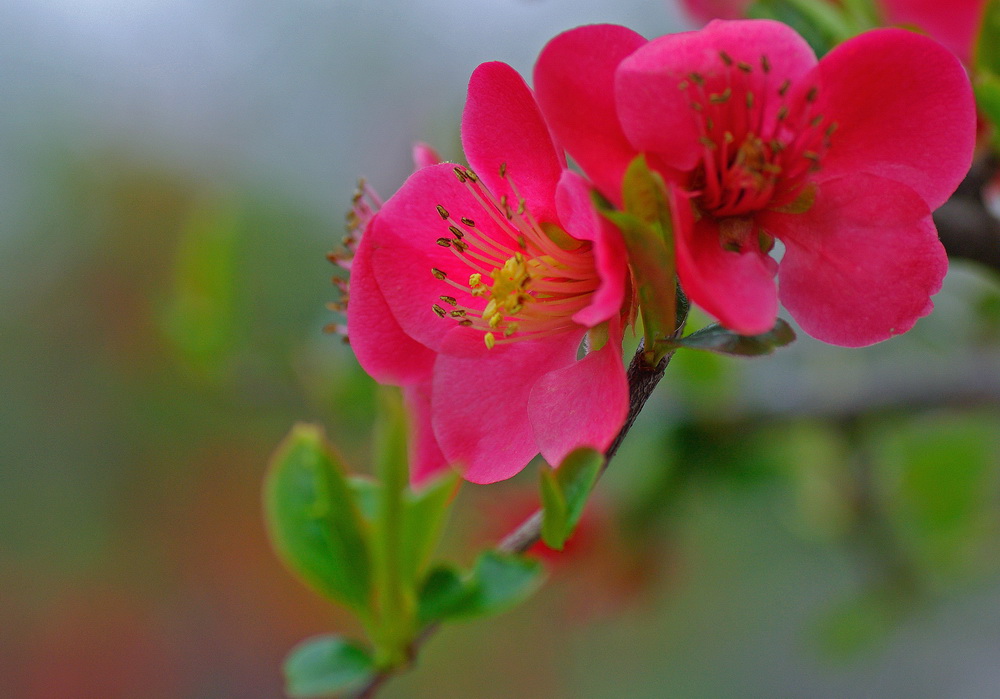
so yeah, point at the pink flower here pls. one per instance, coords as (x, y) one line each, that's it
(474, 289)
(953, 23)
(843, 160)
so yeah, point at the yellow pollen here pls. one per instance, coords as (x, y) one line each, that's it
(490, 340)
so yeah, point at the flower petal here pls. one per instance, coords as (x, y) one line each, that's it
(426, 459)
(405, 250)
(480, 405)
(736, 287)
(581, 220)
(502, 125)
(583, 404)
(574, 79)
(952, 23)
(656, 114)
(861, 265)
(904, 110)
(379, 343)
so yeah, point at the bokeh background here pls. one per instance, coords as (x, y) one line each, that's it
(820, 523)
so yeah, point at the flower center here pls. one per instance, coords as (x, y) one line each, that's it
(760, 145)
(526, 279)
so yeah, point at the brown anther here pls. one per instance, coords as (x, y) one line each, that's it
(765, 64)
(726, 58)
(440, 311)
(521, 206)
(503, 170)
(457, 313)
(811, 155)
(783, 112)
(749, 100)
(816, 120)
(683, 85)
(745, 67)
(728, 137)
(443, 212)
(707, 142)
(696, 106)
(722, 97)
(522, 243)
(709, 124)
(460, 175)
(812, 94)
(438, 274)
(450, 300)
(831, 129)
(444, 242)
(473, 177)
(461, 246)
(696, 78)
(456, 231)
(466, 221)
(784, 88)
(465, 323)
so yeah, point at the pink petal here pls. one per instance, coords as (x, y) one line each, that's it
(405, 251)
(379, 343)
(581, 220)
(502, 125)
(953, 23)
(583, 404)
(736, 287)
(904, 110)
(574, 79)
(861, 265)
(480, 405)
(426, 459)
(656, 114)
(424, 155)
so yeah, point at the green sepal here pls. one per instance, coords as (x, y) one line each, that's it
(497, 582)
(564, 494)
(324, 665)
(716, 338)
(313, 521)
(648, 232)
(987, 91)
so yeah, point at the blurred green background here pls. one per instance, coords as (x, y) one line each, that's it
(820, 523)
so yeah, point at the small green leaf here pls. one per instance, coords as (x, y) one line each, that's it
(446, 594)
(564, 494)
(423, 520)
(504, 579)
(498, 582)
(647, 229)
(823, 25)
(555, 511)
(716, 338)
(313, 521)
(324, 665)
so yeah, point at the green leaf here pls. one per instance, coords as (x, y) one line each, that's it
(498, 582)
(324, 665)
(647, 229)
(822, 24)
(313, 521)
(986, 54)
(987, 90)
(716, 338)
(446, 594)
(504, 579)
(423, 521)
(564, 494)
(396, 591)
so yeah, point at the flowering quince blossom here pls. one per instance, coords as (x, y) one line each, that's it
(953, 23)
(842, 159)
(473, 289)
